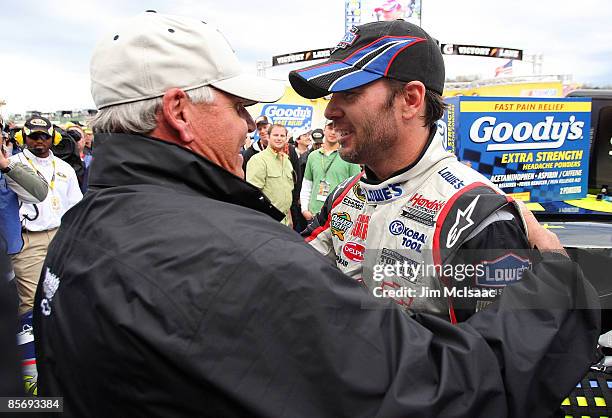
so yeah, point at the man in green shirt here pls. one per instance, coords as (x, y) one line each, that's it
(270, 171)
(324, 171)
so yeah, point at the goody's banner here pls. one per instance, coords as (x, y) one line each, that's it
(535, 149)
(290, 116)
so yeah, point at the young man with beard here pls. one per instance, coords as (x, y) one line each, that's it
(39, 221)
(415, 205)
(324, 171)
(272, 173)
(171, 289)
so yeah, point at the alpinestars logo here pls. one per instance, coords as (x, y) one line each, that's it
(463, 222)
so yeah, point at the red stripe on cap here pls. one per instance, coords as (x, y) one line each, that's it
(417, 40)
(373, 42)
(320, 229)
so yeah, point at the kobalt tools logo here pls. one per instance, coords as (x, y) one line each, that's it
(354, 251)
(548, 134)
(411, 238)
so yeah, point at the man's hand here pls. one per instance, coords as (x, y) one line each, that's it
(307, 215)
(539, 237)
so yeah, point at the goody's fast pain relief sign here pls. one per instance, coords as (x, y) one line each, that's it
(290, 116)
(535, 149)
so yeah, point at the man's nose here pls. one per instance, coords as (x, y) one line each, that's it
(333, 110)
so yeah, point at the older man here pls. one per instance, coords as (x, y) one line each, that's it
(172, 290)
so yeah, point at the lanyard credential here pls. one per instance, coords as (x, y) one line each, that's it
(52, 182)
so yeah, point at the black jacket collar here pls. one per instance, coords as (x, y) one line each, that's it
(122, 160)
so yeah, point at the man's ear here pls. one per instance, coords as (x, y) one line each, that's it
(176, 109)
(413, 99)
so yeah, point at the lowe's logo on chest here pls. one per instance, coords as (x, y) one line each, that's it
(383, 194)
(503, 271)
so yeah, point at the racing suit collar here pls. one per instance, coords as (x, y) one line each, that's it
(416, 167)
(135, 160)
(432, 152)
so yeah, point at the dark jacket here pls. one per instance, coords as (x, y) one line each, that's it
(169, 290)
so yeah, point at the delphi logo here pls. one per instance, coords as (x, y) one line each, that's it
(548, 134)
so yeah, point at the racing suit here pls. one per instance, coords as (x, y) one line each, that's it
(438, 214)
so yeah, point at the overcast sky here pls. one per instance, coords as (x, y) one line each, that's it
(45, 45)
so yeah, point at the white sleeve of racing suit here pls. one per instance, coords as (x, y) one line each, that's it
(305, 194)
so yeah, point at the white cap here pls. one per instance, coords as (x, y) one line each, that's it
(152, 52)
(297, 132)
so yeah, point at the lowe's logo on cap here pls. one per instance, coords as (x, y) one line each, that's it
(502, 271)
(504, 136)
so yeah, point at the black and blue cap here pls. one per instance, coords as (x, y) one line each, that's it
(396, 49)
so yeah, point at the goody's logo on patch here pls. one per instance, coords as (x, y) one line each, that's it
(502, 271)
(340, 223)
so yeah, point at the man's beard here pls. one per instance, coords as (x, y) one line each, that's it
(378, 135)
